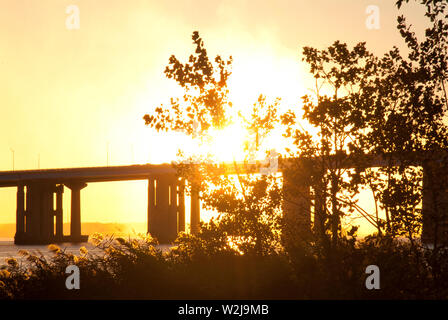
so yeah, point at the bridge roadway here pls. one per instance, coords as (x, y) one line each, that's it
(87, 174)
(39, 219)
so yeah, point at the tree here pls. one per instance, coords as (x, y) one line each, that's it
(206, 94)
(336, 114)
(392, 107)
(248, 205)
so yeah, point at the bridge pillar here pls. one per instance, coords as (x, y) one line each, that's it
(151, 204)
(296, 205)
(195, 211)
(33, 210)
(47, 212)
(435, 203)
(58, 212)
(20, 213)
(181, 206)
(35, 224)
(75, 214)
(164, 209)
(320, 208)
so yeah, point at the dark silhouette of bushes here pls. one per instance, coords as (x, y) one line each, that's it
(136, 269)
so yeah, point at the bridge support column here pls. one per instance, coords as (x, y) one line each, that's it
(33, 210)
(151, 204)
(181, 206)
(58, 212)
(47, 212)
(195, 212)
(435, 203)
(320, 203)
(163, 207)
(75, 214)
(20, 213)
(296, 208)
(35, 224)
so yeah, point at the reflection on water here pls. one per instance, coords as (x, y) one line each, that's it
(9, 250)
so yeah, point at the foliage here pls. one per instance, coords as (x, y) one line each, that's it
(248, 206)
(365, 108)
(205, 101)
(136, 269)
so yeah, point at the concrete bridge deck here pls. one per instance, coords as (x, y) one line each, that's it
(86, 174)
(39, 218)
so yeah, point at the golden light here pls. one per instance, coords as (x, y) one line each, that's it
(227, 144)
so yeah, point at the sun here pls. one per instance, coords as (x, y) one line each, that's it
(218, 145)
(268, 72)
(227, 144)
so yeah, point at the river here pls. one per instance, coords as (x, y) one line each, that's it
(9, 250)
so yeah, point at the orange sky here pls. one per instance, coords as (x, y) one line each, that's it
(66, 95)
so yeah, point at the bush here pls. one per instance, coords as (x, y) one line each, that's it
(195, 269)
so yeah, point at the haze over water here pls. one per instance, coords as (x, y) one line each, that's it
(10, 250)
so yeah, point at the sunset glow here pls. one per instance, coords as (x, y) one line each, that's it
(75, 98)
(223, 158)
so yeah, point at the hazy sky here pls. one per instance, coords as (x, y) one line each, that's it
(68, 96)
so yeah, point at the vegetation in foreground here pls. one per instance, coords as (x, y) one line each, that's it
(200, 269)
(393, 106)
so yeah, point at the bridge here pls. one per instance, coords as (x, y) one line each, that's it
(39, 218)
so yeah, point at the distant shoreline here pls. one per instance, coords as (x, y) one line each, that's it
(7, 230)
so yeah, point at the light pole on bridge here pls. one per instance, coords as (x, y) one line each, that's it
(12, 150)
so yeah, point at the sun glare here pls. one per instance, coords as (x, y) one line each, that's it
(227, 144)
(275, 74)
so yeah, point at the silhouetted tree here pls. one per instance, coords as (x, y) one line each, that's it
(248, 206)
(205, 102)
